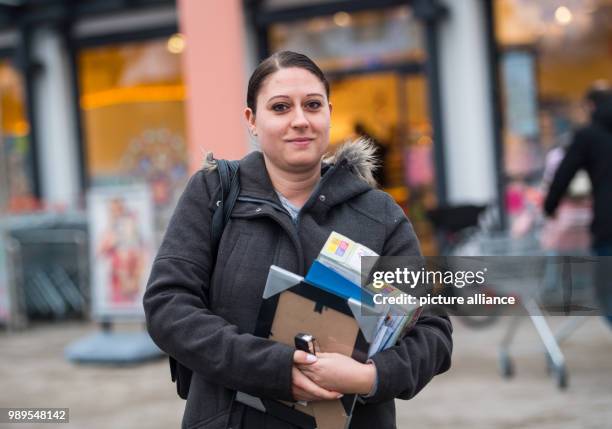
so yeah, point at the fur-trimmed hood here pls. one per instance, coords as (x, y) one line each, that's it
(359, 155)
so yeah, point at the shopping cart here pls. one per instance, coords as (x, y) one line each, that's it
(530, 274)
(49, 262)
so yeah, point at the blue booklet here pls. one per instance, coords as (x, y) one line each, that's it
(329, 280)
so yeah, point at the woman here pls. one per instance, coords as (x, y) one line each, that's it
(290, 200)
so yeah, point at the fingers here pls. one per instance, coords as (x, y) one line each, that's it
(328, 355)
(300, 395)
(302, 358)
(305, 389)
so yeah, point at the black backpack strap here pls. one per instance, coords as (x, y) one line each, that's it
(229, 180)
(231, 196)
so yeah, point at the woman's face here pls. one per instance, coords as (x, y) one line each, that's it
(292, 120)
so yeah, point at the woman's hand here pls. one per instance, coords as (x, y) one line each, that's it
(340, 373)
(303, 388)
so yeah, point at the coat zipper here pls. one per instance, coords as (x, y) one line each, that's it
(315, 191)
(292, 232)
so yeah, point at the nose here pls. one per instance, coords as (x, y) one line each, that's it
(299, 119)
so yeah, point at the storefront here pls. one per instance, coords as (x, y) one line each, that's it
(106, 94)
(96, 94)
(385, 59)
(91, 95)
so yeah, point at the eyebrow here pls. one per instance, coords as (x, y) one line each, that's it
(286, 96)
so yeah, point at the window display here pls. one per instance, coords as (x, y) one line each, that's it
(16, 176)
(132, 97)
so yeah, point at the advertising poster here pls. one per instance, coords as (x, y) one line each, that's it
(121, 248)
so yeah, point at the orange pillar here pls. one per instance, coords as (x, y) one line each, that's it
(214, 70)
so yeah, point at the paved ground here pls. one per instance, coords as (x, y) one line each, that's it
(33, 373)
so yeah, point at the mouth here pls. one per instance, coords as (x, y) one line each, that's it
(302, 141)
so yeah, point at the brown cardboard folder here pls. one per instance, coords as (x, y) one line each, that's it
(291, 306)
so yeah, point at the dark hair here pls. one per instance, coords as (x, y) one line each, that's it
(599, 92)
(275, 62)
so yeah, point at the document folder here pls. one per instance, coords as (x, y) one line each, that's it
(335, 316)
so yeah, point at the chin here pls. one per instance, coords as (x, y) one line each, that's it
(304, 162)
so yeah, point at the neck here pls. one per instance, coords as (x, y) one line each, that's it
(296, 187)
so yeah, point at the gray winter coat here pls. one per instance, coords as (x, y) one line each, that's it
(205, 317)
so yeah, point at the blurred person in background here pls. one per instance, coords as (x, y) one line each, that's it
(291, 199)
(568, 231)
(591, 150)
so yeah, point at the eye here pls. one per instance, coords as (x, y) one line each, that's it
(314, 105)
(280, 107)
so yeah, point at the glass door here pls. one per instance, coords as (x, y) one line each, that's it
(392, 111)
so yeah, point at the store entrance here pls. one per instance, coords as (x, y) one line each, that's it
(391, 108)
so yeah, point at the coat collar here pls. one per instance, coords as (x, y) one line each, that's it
(345, 174)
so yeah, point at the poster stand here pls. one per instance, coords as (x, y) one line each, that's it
(121, 231)
(109, 346)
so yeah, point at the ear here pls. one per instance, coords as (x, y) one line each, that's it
(330, 107)
(250, 118)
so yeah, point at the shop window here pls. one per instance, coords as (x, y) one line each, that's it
(345, 40)
(16, 174)
(132, 98)
(551, 51)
